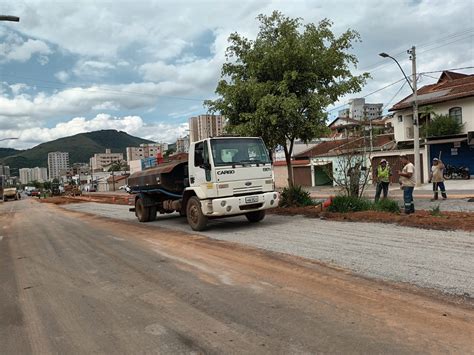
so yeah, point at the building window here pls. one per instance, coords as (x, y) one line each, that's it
(400, 118)
(456, 112)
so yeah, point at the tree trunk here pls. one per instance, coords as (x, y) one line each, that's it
(288, 163)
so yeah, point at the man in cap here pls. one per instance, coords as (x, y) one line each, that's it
(382, 178)
(437, 178)
(407, 183)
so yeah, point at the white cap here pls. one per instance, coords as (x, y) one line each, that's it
(435, 159)
(383, 161)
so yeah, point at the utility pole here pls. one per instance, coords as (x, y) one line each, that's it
(416, 123)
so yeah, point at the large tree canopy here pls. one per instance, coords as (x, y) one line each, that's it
(278, 85)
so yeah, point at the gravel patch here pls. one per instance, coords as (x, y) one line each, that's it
(427, 258)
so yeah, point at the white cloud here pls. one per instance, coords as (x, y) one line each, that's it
(23, 111)
(24, 51)
(134, 125)
(92, 68)
(18, 88)
(62, 76)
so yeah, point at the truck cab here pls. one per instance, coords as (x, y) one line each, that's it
(232, 175)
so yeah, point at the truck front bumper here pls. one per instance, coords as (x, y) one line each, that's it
(235, 205)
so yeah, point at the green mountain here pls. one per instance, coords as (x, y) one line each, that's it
(6, 152)
(80, 147)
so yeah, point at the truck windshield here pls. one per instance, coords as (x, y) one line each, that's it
(239, 151)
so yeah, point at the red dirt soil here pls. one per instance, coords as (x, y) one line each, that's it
(420, 219)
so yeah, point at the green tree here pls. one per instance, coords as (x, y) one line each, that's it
(118, 165)
(442, 125)
(278, 85)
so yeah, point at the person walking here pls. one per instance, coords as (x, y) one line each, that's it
(407, 183)
(382, 178)
(437, 178)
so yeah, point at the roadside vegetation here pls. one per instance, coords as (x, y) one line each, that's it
(345, 204)
(295, 196)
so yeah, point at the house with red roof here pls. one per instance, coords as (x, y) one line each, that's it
(453, 95)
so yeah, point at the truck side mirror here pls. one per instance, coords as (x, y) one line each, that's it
(205, 166)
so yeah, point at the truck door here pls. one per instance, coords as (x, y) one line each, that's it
(201, 171)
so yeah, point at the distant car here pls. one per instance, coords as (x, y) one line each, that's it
(34, 193)
(92, 190)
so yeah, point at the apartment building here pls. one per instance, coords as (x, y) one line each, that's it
(360, 110)
(205, 126)
(5, 170)
(25, 176)
(182, 145)
(144, 151)
(57, 161)
(101, 160)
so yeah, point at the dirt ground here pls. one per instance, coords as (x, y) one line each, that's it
(62, 200)
(420, 219)
(86, 284)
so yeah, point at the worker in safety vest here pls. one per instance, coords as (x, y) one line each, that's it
(382, 179)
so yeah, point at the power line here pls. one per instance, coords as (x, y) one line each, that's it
(394, 96)
(371, 93)
(450, 69)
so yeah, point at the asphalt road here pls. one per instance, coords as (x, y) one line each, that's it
(441, 260)
(73, 283)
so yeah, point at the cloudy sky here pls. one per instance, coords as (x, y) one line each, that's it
(145, 67)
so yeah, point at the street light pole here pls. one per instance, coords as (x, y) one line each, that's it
(416, 127)
(416, 123)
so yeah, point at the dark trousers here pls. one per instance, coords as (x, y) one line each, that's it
(441, 186)
(381, 186)
(408, 199)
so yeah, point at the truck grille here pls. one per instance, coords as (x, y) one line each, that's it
(247, 190)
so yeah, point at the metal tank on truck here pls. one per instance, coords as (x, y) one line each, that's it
(219, 177)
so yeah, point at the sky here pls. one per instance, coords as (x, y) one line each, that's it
(145, 67)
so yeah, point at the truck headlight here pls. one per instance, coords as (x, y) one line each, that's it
(223, 203)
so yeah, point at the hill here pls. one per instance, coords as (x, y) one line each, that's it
(80, 147)
(6, 152)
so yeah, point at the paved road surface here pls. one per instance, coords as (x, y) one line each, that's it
(71, 283)
(434, 259)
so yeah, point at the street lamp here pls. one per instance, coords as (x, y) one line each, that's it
(416, 127)
(9, 18)
(6, 139)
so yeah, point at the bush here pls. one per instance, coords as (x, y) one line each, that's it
(295, 197)
(344, 204)
(387, 205)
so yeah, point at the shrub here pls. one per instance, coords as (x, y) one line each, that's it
(346, 204)
(387, 205)
(435, 211)
(295, 196)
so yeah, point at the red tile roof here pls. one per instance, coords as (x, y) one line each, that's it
(450, 86)
(339, 146)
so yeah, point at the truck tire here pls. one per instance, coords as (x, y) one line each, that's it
(152, 213)
(196, 219)
(142, 212)
(256, 216)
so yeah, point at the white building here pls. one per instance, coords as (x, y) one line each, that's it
(25, 176)
(5, 170)
(56, 162)
(359, 110)
(205, 126)
(144, 151)
(100, 160)
(39, 174)
(453, 95)
(182, 145)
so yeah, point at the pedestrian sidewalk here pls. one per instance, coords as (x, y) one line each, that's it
(456, 189)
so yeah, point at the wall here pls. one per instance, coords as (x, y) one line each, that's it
(465, 155)
(281, 176)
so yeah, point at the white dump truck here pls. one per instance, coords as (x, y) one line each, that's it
(10, 193)
(219, 177)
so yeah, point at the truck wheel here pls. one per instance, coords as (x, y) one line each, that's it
(142, 212)
(196, 218)
(152, 213)
(255, 216)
